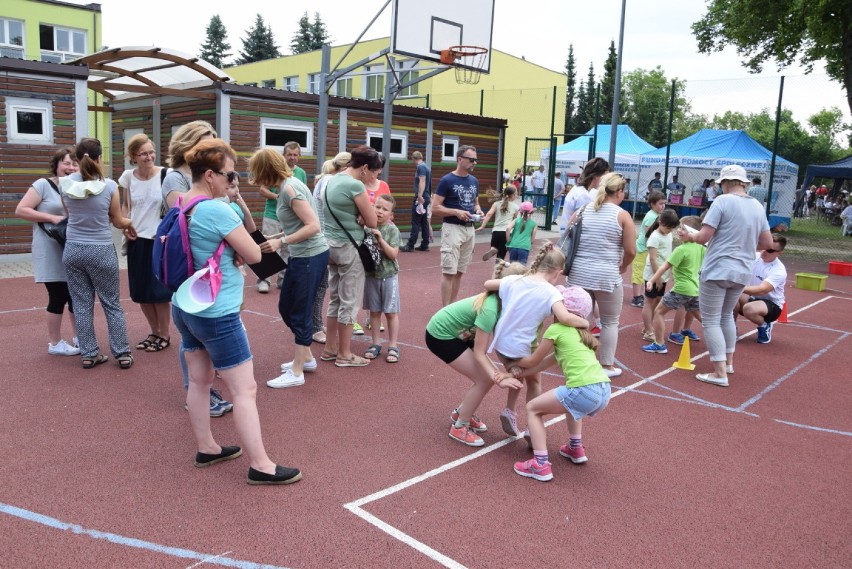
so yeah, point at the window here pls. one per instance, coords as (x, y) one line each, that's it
(61, 44)
(343, 87)
(398, 142)
(314, 83)
(250, 84)
(276, 133)
(268, 83)
(450, 147)
(405, 74)
(374, 82)
(291, 83)
(11, 38)
(30, 121)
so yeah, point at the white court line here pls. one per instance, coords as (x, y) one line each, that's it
(356, 506)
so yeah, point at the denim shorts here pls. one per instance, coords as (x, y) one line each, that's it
(584, 401)
(224, 338)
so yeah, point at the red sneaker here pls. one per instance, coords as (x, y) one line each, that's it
(532, 469)
(475, 423)
(575, 455)
(595, 331)
(466, 436)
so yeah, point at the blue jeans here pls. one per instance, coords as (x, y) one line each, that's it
(224, 338)
(298, 292)
(519, 255)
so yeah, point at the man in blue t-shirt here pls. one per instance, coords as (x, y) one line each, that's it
(420, 206)
(457, 200)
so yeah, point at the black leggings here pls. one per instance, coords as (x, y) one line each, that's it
(57, 297)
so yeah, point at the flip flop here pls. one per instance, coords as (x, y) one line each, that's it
(393, 355)
(351, 361)
(328, 356)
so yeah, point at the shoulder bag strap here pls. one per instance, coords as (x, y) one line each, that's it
(328, 207)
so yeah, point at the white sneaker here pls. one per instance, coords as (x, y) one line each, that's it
(286, 379)
(263, 287)
(310, 365)
(729, 369)
(712, 379)
(75, 342)
(62, 348)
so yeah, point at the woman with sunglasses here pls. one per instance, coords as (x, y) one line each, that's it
(213, 336)
(141, 200)
(736, 226)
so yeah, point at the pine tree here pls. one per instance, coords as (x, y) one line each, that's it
(591, 93)
(259, 44)
(215, 50)
(570, 94)
(580, 123)
(302, 39)
(608, 85)
(319, 33)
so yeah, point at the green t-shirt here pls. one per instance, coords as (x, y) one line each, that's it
(686, 261)
(579, 364)
(390, 267)
(459, 320)
(340, 195)
(270, 210)
(522, 234)
(290, 222)
(647, 222)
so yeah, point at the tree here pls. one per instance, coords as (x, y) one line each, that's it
(645, 105)
(608, 85)
(784, 30)
(570, 93)
(259, 45)
(215, 49)
(580, 123)
(589, 117)
(828, 125)
(309, 36)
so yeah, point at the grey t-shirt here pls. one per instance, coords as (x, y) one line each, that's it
(47, 252)
(175, 181)
(88, 219)
(739, 221)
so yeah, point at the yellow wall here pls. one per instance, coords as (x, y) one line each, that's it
(517, 90)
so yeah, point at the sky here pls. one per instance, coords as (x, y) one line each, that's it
(657, 32)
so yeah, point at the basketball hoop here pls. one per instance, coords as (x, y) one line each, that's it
(467, 61)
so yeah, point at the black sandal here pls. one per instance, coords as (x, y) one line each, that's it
(159, 344)
(125, 360)
(147, 342)
(89, 363)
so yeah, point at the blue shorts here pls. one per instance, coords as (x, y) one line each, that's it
(224, 338)
(586, 400)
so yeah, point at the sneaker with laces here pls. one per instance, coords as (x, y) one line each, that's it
(62, 348)
(712, 379)
(509, 422)
(693, 337)
(655, 348)
(488, 254)
(286, 379)
(357, 330)
(595, 331)
(310, 365)
(532, 469)
(676, 338)
(764, 333)
(575, 455)
(218, 404)
(475, 424)
(465, 435)
(638, 302)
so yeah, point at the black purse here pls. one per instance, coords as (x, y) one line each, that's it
(368, 250)
(55, 231)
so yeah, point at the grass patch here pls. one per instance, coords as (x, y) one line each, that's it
(817, 239)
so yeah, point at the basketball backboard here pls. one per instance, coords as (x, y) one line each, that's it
(423, 29)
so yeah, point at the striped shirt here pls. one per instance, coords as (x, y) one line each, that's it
(598, 262)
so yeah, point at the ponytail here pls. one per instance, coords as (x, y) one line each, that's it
(508, 191)
(548, 259)
(588, 340)
(88, 152)
(610, 185)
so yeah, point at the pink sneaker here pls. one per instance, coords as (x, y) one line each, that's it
(575, 455)
(509, 422)
(531, 469)
(466, 436)
(475, 423)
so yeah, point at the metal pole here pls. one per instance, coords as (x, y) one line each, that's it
(774, 149)
(482, 102)
(616, 100)
(390, 95)
(322, 117)
(551, 167)
(669, 136)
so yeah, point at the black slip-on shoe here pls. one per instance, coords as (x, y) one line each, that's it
(228, 453)
(283, 475)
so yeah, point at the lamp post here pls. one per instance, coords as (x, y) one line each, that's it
(616, 100)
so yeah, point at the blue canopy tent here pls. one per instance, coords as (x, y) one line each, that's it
(706, 152)
(837, 171)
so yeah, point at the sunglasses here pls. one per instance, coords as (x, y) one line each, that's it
(772, 250)
(232, 176)
(474, 160)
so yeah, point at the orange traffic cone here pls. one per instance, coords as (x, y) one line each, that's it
(683, 360)
(783, 318)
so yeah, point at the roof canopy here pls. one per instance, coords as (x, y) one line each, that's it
(124, 72)
(628, 147)
(840, 170)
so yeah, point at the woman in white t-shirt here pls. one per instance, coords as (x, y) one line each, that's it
(503, 212)
(141, 201)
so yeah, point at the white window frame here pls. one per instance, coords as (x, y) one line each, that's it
(314, 83)
(400, 135)
(406, 74)
(448, 139)
(62, 54)
(377, 74)
(346, 84)
(283, 124)
(290, 83)
(39, 106)
(7, 48)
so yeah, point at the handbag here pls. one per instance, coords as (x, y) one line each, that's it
(569, 243)
(368, 250)
(55, 231)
